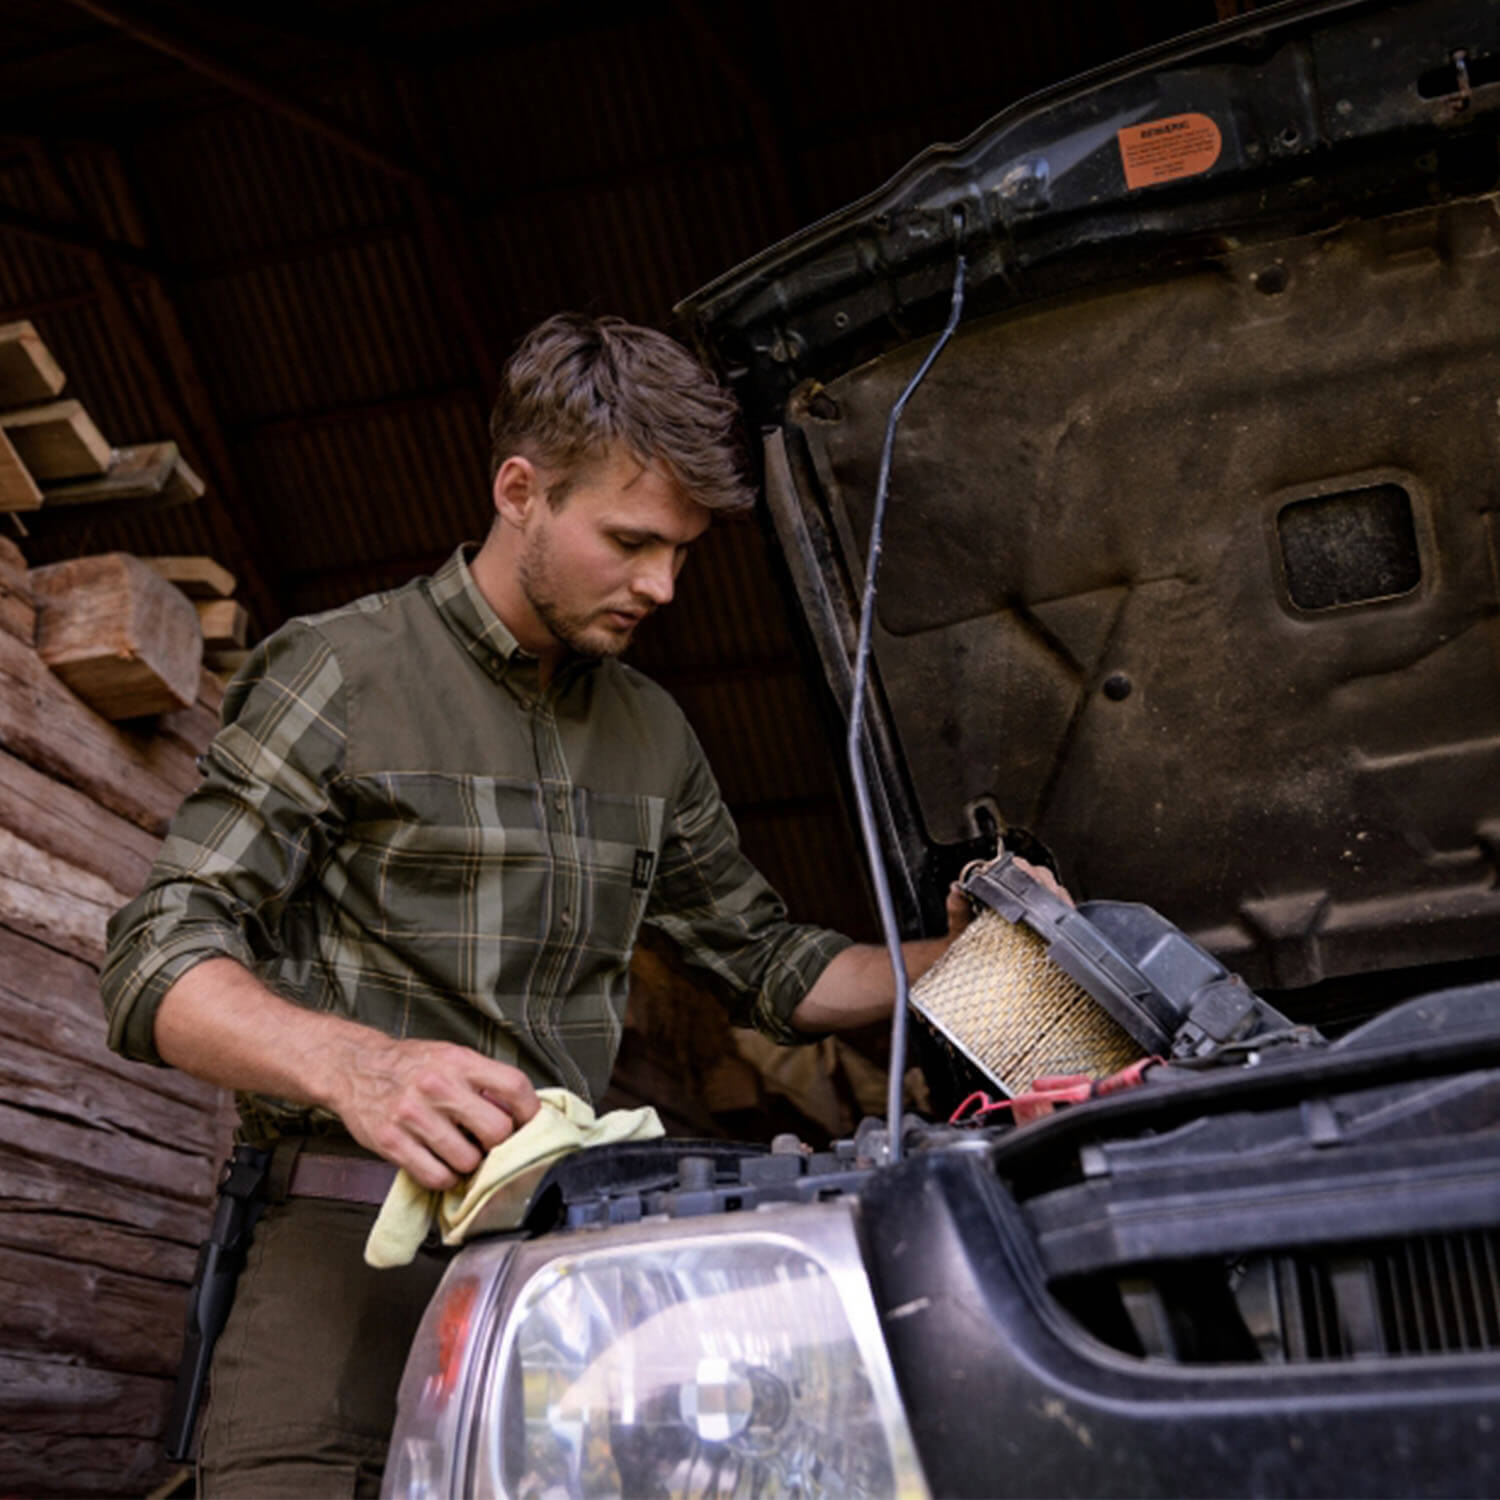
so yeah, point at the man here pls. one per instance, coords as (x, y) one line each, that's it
(407, 890)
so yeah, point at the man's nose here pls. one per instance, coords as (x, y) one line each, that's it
(655, 579)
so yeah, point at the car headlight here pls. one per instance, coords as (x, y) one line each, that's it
(718, 1360)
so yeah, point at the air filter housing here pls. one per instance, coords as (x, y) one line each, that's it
(1035, 986)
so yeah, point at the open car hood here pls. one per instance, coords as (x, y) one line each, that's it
(1193, 554)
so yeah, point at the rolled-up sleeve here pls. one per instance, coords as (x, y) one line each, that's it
(718, 909)
(241, 842)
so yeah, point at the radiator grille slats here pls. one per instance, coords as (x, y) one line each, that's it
(1425, 1295)
(1432, 1294)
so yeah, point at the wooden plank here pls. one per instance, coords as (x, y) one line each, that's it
(89, 1242)
(154, 476)
(224, 623)
(140, 472)
(107, 1317)
(18, 490)
(143, 778)
(53, 1001)
(57, 441)
(197, 577)
(192, 728)
(118, 634)
(54, 901)
(64, 822)
(28, 1185)
(28, 371)
(210, 692)
(72, 506)
(122, 1159)
(17, 606)
(225, 663)
(80, 1468)
(42, 1393)
(104, 1098)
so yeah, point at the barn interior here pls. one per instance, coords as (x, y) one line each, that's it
(298, 242)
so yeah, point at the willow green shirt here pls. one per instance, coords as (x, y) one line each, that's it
(398, 825)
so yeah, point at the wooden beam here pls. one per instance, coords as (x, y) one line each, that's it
(114, 496)
(18, 490)
(118, 634)
(197, 577)
(17, 603)
(57, 440)
(94, 1465)
(28, 371)
(52, 1001)
(134, 1323)
(144, 471)
(53, 901)
(42, 1394)
(224, 623)
(66, 824)
(143, 778)
(225, 663)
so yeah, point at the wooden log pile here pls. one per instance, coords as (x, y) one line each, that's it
(107, 1168)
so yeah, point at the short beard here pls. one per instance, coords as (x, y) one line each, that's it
(534, 573)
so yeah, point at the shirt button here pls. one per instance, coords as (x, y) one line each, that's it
(560, 801)
(567, 919)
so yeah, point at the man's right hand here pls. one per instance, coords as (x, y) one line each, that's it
(435, 1108)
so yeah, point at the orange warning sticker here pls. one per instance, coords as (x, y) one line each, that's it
(1161, 150)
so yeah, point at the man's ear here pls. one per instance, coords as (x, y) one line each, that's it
(518, 490)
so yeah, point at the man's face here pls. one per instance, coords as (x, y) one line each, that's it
(593, 570)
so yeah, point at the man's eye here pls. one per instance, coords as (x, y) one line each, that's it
(630, 543)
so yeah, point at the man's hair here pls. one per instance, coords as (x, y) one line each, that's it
(579, 385)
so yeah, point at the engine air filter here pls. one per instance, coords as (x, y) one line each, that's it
(999, 999)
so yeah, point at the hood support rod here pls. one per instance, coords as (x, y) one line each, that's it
(857, 748)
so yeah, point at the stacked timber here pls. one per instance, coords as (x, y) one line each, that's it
(56, 468)
(222, 620)
(107, 1168)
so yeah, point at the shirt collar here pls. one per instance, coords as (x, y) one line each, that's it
(484, 635)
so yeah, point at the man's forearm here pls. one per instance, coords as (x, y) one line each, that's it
(220, 1023)
(434, 1108)
(858, 987)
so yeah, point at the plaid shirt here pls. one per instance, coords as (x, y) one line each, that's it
(399, 825)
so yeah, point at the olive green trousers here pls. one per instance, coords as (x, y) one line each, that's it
(302, 1392)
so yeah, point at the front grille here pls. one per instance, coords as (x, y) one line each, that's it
(1440, 1294)
(1424, 1295)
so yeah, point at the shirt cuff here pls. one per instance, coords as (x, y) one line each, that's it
(133, 999)
(797, 968)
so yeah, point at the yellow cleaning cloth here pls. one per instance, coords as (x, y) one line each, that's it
(495, 1196)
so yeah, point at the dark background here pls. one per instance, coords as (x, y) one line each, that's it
(302, 239)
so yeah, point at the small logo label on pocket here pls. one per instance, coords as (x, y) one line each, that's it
(640, 876)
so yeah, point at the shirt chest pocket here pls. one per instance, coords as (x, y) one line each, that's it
(446, 857)
(619, 842)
